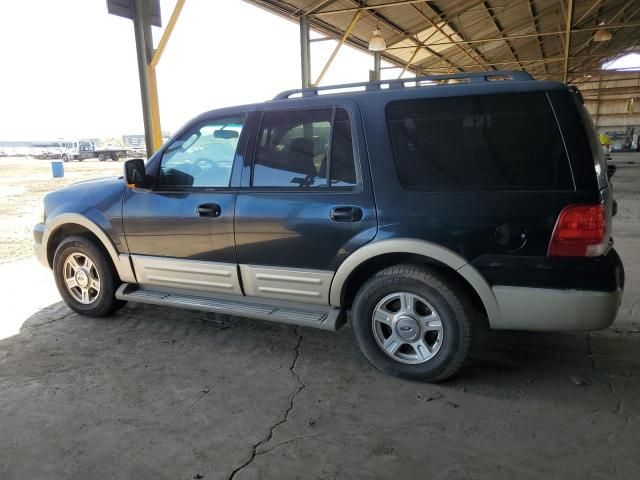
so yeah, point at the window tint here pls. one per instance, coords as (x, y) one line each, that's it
(489, 142)
(202, 156)
(294, 150)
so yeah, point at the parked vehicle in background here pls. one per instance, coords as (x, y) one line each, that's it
(76, 150)
(424, 207)
(82, 149)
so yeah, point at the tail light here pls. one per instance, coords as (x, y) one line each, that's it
(580, 231)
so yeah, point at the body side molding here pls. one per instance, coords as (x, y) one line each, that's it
(120, 261)
(418, 247)
(180, 273)
(292, 284)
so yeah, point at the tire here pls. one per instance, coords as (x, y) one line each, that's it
(417, 348)
(101, 157)
(100, 300)
(114, 157)
(65, 158)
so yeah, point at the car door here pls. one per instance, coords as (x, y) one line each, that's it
(180, 232)
(305, 203)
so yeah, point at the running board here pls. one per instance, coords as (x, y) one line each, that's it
(306, 315)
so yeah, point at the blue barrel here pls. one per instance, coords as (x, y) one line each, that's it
(57, 168)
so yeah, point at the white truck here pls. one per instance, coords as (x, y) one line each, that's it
(82, 149)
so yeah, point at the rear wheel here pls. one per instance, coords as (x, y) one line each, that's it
(413, 322)
(101, 157)
(65, 158)
(85, 277)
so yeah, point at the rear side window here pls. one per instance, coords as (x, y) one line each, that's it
(488, 142)
(305, 149)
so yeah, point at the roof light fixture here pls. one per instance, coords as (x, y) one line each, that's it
(602, 34)
(377, 43)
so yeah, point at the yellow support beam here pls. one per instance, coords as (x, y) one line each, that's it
(347, 32)
(167, 32)
(156, 129)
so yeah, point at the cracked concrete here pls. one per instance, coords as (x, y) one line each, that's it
(301, 385)
(171, 394)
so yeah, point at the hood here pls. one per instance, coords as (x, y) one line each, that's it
(100, 194)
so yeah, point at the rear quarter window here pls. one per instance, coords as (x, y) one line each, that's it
(484, 142)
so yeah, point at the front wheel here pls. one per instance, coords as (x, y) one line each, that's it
(413, 322)
(85, 277)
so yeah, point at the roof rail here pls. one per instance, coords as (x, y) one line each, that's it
(465, 77)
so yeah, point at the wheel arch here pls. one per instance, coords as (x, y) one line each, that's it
(375, 256)
(67, 224)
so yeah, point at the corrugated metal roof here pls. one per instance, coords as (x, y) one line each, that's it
(474, 35)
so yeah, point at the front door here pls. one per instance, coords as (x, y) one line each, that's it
(180, 233)
(305, 204)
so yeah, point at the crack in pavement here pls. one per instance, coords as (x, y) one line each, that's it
(301, 386)
(287, 442)
(204, 392)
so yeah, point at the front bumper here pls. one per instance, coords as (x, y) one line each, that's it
(39, 248)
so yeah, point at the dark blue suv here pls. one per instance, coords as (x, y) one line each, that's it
(422, 207)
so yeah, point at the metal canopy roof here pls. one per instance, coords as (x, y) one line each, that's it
(552, 39)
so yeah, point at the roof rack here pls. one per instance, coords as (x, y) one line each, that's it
(465, 77)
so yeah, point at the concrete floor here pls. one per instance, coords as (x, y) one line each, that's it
(162, 393)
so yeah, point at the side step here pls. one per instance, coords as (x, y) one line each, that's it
(306, 315)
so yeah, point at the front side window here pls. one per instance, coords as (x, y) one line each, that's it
(203, 156)
(304, 149)
(484, 142)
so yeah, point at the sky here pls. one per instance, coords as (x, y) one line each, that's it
(630, 61)
(68, 69)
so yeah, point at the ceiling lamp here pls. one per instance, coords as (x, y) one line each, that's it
(602, 34)
(377, 43)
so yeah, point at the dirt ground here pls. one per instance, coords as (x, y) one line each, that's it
(24, 181)
(163, 393)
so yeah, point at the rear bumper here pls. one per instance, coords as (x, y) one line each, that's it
(571, 294)
(541, 309)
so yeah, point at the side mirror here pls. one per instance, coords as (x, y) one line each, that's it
(134, 173)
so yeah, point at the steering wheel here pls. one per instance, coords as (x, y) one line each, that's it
(204, 163)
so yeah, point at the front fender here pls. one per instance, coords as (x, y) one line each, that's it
(120, 261)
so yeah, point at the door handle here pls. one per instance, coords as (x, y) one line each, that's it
(346, 214)
(209, 210)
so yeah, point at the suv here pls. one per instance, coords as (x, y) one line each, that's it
(425, 207)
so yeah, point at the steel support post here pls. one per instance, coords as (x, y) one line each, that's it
(567, 42)
(139, 16)
(156, 130)
(305, 51)
(377, 56)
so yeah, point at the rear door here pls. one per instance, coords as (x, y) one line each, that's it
(306, 202)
